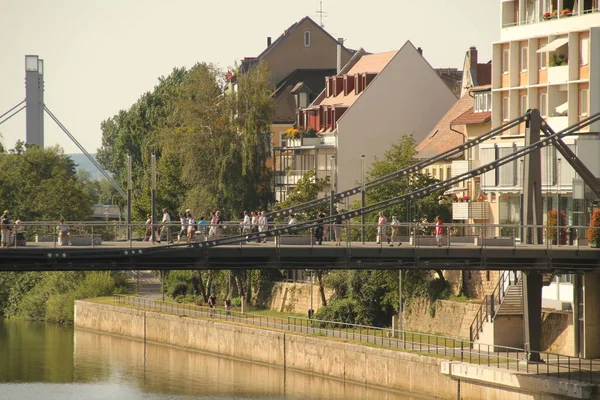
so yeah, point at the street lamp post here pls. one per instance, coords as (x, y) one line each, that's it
(332, 193)
(129, 188)
(558, 238)
(362, 198)
(153, 196)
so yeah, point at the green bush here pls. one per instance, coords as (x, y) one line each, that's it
(340, 310)
(178, 289)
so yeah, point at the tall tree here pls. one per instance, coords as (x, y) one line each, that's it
(41, 184)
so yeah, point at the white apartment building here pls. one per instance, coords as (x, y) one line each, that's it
(548, 58)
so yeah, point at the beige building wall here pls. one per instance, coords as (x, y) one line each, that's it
(292, 54)
(407, 97)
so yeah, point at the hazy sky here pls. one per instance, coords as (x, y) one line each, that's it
(101, 55)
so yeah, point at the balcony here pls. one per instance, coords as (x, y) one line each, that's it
(290, 178)
(470, 211)
(557, 123)
(558, 75)
(535, 25)
(303, 142)
(461, 166)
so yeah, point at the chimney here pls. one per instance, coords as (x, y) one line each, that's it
(268, 41)
(472, 54)
(339, 54)
(420, 50)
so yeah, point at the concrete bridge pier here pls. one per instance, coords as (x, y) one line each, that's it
(532, 314)
(586, 315)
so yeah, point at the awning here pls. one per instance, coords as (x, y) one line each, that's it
(553, 45)
(455, 189)
(563, 108)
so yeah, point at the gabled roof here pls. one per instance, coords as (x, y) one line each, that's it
(471, 117)
(248, 62)
(444, 136)
(285, 104)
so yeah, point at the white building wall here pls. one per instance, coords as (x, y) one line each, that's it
(407, 97)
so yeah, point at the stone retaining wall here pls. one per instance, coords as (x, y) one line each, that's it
(357, 363)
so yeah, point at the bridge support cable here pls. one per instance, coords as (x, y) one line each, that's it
(588, 177)
(405, 171)
(21, 103)
(92, 160)
(11, 115)
(534, 147)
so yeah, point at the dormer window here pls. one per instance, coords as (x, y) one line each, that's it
(307, 38)
(482, 102)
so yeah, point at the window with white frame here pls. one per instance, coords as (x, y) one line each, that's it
(523, 104)
(505, 109)
(543, 60)
(584, 51)
(583, 103)
(505, 61)
(543, 105)
(307, 38)
(523, 59)
(482, 102)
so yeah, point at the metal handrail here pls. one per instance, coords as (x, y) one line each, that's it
(487, 309)
(504, 357)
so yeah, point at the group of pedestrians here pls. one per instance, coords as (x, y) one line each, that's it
(255, 222)
(189, 227)
(382, 222)
(320, 231)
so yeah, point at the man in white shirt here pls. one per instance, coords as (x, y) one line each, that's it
(293, 220)
(246, 224)
(63, 231)
(166, 220)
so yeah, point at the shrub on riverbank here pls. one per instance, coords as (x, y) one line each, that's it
(50, 296)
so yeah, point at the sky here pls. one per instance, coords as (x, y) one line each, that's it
(100, 56)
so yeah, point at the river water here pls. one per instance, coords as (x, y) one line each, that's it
(46, 361)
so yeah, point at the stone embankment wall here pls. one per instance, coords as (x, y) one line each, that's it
(448, 318)
(296, 297)
(558, 335)
(357, 363)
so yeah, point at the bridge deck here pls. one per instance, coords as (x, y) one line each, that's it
(350, 255)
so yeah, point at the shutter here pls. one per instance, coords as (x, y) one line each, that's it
(507, 171)
(487, 155)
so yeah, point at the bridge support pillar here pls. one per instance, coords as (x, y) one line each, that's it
(532, 183)
(532, 313)
(589, 321)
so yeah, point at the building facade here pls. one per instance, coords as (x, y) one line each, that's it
(548, 58)
(364, 109)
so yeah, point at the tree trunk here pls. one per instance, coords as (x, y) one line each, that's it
(248, 287)
(440, 274)
(239, 285)
(198, 284)
(321, 287)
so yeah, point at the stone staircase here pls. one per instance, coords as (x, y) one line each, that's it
(512, 303)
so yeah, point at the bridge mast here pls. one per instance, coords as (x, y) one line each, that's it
(34, 100)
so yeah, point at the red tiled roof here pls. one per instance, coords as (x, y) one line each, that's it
(471, 117)
(372, 63)
(444, 136)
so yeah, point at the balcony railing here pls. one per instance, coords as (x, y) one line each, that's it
(463, 211)
(300, 142)
(463, 166)
(541, 19)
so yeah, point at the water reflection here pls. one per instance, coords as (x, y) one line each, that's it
(56, 362)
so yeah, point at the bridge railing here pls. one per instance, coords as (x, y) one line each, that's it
(509, 358)
(348, 234)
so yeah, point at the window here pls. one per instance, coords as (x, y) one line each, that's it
(584, 51)
(434, 170)
(583, 103)
(543, 105)
(505, 109)
(426, 171)
(307, 38)
(543, 60)
(523, 104)
(448, 172)
(505, 61)
(523, 59)
(488, 101)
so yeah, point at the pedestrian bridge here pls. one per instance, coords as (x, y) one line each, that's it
(300, 251)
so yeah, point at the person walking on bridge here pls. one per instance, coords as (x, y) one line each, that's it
(438, 231)
(5, 229)
(164, 226)
(382, 228)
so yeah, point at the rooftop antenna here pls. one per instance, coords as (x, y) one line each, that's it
(321, 14)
